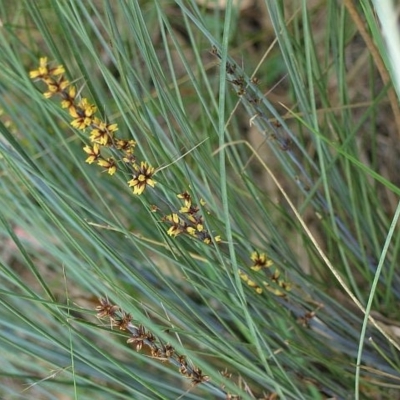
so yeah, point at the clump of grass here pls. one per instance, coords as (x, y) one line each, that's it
(264, 260)
(185, 221)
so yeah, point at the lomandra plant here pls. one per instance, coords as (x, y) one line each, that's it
(194, 208)
(102, 138)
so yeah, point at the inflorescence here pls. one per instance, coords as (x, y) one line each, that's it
(141, 338)
(188, 221)
(262, 263)
(101, 133)
(113, 154)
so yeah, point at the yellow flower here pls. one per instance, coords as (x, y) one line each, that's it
(128, 146)
(42, 71)
(88, 108)
(94, 153)
(59, 70)
(142, 178)
(243, 276)
(69, 99)
(81, 123)
(109, 165)
(55, 87)
(260, 260)
(82, 114)
(177, 224)
(191, 231)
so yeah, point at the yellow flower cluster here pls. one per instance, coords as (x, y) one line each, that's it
(261, 262)
(188, 221)
(104, 143)
(101, 133)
